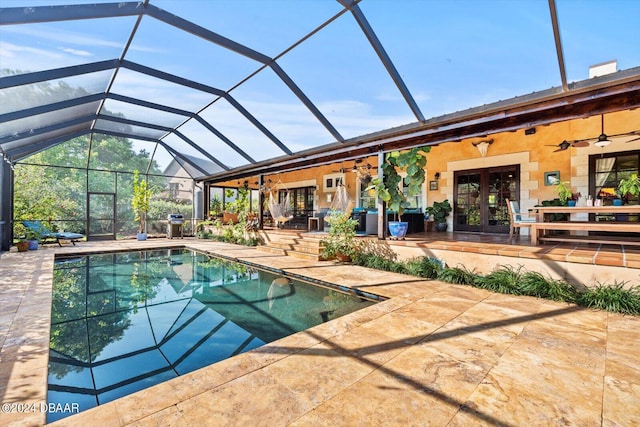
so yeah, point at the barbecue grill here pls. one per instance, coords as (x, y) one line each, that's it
(175, 224)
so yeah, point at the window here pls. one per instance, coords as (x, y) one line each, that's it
(415, 202)
(367, 198)
(606, 171)
(174, 189)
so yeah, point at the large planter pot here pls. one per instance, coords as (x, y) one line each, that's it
(229, 217)
(142, 236)
(22, 246)
(441, 226)
(342, 257)
(33, 245)
(398, 229)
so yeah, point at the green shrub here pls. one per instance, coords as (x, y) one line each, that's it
(458, 275)
(427, 267)
(612, 298)
(535, 284)
(376, 262)
(504, 280)
(376, 255)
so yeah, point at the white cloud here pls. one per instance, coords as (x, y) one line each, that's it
(76, 52)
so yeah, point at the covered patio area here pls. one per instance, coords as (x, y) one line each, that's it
(432, 353)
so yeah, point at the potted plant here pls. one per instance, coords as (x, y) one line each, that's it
(340, 243)
(33, 238)
(140, 203)
(563, 189)
(440, 211)
(20, 233)
(629, 186)
(388, 188)
(231, 209)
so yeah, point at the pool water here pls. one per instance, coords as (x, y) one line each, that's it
(122, 322)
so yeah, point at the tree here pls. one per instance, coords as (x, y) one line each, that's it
(140, 200)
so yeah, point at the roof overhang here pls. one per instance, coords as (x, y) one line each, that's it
(600, 95)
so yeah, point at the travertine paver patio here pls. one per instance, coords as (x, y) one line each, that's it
(432, 354)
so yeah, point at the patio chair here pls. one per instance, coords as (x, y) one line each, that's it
(517, 219)
(43, 232)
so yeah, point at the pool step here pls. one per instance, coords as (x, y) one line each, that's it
(292, 243)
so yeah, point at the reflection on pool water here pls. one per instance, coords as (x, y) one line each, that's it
(122, 322)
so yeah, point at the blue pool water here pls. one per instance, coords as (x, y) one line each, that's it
(122, 322)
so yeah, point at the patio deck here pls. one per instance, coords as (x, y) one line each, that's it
(432, 354)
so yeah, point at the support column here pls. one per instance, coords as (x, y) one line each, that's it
(382, 208)
(6, 206)
(261, 202)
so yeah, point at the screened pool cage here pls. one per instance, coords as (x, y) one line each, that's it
(192, 93)
(72, 187)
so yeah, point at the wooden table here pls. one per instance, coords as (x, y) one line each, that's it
(572, 210)
(586, 225)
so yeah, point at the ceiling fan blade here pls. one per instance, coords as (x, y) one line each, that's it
(633, 132)
(559, 149)
(582, 143)
(634, 139)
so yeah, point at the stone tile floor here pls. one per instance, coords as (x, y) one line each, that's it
(432, 354)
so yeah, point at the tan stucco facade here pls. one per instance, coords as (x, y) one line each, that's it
(535, 153)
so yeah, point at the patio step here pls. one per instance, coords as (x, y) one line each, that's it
(292, 243)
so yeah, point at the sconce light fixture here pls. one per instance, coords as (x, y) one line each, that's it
(437, 175)
(483, 146)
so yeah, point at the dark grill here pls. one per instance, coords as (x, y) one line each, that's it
(174, 225)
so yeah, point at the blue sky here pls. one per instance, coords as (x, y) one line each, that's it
(452, 55)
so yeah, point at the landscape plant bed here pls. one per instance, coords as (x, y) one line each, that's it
(617, 298)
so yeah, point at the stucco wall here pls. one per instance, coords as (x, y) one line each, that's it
(534, 153)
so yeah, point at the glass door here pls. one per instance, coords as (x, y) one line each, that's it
(102, 216)
(480, 198)
(468, 206)
(502, 184)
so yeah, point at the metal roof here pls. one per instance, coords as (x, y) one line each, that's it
(229, 88)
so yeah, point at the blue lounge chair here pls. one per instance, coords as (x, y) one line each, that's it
(43, 232)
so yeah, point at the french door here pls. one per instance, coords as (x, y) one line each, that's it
(480, 198)
(301, 200)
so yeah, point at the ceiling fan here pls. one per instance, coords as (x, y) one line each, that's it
(355, 167)
(601, 141)
(566, 144)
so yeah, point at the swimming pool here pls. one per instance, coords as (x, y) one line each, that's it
(122, 322)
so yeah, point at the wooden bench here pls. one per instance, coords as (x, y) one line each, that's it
(626, 227)
(597, 240)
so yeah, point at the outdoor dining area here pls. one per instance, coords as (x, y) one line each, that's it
(585, 224)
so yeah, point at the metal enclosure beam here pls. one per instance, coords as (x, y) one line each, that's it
(556, 36)
(32, 15)
(384, 57)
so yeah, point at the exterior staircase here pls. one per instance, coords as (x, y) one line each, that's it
(293, 243)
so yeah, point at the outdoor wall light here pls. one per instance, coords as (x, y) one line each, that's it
(437, 175)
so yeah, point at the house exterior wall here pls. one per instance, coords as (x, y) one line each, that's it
(534, 153)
